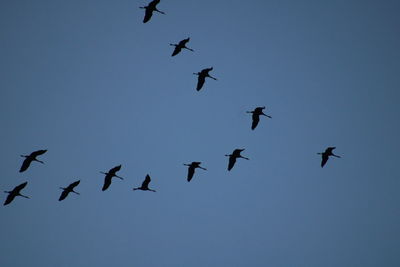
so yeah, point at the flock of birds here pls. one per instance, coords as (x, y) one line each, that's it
(202, 75)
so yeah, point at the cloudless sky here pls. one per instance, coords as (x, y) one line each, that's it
(91, 83)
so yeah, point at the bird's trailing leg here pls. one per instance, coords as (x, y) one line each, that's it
(23, 196)
(119, 177)
(212, 77)
(202, 168)
(189, 49)
(39, 161)
(159, 11)
(244, 157)
(75, 192)
(336, 156)
(266, 115)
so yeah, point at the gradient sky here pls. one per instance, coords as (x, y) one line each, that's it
(91, 83)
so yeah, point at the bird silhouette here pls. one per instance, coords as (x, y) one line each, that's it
(181, 45)
(109, 175)
(191, 169)
(256, 116)
(325, 155)
(68, 190)
(202, 77)
(232, 158)
(152, 6)
(145, 185)
(30, 158)
(15, 192)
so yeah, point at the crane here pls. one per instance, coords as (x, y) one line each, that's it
(31, 157)
(232, 157)
(145, 185)
(192, 166)
(68, 190)
(150, 8)
(181, 45)
(257, 112)
(109, 175)
(326, 154)
(15, 192)
(202, 77)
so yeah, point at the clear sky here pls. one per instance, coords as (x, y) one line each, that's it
(91, 83)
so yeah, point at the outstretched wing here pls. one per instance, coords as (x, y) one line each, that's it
(325, 158)
(25, 164)
(38, 153)
(256, 119)
(107, 182)
(232, 161)
(190, 173)
(64, 194)
(147, 15)
(177, 50)
(71, 186)
(20, 187)
(9, 199)
(146, 181)
(115, 169)
(200, 82)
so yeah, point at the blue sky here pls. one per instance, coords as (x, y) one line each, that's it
(91, 83)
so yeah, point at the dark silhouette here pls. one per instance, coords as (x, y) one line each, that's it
(202, 77)
(325, 155)
(180, 46)
(232, 158)
(109, 175)
(68, 190)
(256, 116)
(192, 167)
(149, 10)
(15, 192)
(145, 185)
(30, 158)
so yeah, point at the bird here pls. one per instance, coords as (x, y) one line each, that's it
(152, 6)
(68, 190)
(181, 45)
(202, 77)
(145, 185)
(256, 116)
(232, 157)
(325, 155)
(30, 158)
(191, 169)
(15, 192)
(109, 175)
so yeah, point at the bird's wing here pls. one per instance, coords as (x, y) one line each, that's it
(147, 15)
(154, 3)
(39, 152)
(325, 158)
(64, 194)
(20, 187)
(71, 186)
(115, 169)
(329, 150)
(200, 82)
(176, 50)
(146, 181)
(107, 182)
(25, 164)
(9, 199)
(232, 161)
(256, 119)
(184, 41)
(190, 173)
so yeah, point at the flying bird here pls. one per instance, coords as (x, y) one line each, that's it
(30, 158)
(145, 185)
(68, 190)
(152, 6)
(325, 155)
(191, 169)
(15, 192)
(180, 46)
(256, 116)
(202, 77)
(232, 158)
(109, 175)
